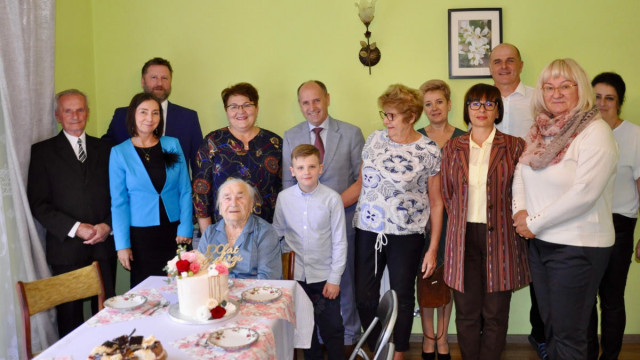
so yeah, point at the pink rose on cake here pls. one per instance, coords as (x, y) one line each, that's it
(185, 263)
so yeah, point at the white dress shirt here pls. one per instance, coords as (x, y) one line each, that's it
(313, 227)
(517, 119)
(73, 140)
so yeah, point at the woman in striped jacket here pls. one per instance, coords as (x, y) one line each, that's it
(485, 260)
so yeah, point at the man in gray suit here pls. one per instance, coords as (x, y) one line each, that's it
(342, 150)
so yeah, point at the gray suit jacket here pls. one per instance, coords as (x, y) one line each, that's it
(342, 158)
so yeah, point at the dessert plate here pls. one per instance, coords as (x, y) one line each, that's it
(126, 302)
(233, 338)
(261, 294)
(177, 316)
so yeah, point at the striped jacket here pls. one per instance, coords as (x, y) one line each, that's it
(507, 265)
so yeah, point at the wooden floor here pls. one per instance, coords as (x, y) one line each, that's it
(518, 352)
(512, 352)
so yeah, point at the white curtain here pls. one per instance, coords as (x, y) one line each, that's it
(26, 102)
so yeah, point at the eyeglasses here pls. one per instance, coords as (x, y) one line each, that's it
(488, 105)
(386, 115)
(389, 116)
(564, 88)
(245, 106)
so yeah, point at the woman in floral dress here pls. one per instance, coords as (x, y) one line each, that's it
(241, 150)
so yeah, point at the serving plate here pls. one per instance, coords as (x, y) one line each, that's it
(261, 294)
(176, 315)
(126, 302)
(233, 338)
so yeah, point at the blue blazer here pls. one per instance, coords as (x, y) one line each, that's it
(134, 200)
(182, 123)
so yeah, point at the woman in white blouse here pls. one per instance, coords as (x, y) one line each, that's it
(399, 189)
(610, 89)
(562, 194)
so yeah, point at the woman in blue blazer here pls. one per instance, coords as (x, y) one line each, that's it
(150, 193)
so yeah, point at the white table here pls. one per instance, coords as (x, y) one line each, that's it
(79, 343)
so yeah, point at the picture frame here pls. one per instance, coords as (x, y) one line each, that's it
(472, 35)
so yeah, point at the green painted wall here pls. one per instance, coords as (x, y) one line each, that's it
(101, 46)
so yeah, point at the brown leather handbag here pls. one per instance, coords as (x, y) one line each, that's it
(433, 293)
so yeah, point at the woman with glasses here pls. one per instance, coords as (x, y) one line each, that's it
(485, 260)
(437, 104)
(610, 89)
(562, 195)
(241, 150)
(399, 188)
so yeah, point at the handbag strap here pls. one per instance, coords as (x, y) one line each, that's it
(437, 337)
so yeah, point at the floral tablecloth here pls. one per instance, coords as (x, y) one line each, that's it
(275, 322)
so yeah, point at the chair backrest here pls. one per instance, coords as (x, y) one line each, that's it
(387, 352)
(44, 294)
(288, 265)
(387, 313)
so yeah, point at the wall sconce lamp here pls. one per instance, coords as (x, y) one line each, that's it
(369, 53)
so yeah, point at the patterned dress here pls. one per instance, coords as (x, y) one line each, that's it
(222, 156)
(394, 198)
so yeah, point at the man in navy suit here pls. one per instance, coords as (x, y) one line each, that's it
(342, 143)
(179, 122)
(68, 191)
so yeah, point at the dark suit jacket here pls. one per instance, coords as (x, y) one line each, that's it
(62, 190)
(507, 258)
(182, 123)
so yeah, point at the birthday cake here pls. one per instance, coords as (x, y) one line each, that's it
(129, 347)
(203, 283)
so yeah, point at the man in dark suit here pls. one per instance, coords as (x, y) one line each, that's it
(179, 122)
(68, 190)
(341, 151)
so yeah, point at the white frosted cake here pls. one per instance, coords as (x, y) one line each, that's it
(203, 282)
(199, 290)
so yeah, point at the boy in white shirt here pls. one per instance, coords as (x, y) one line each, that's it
(310, 216)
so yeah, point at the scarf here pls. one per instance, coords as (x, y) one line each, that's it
(563, 129)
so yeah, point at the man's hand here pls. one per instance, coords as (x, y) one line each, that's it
(102, 231)
(331, 291)
(125, 256)
(85, 231)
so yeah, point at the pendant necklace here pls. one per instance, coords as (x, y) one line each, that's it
(146, 152)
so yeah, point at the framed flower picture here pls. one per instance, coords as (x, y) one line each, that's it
(472, 35)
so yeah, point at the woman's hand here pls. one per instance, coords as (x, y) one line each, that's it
(429, 263)
(520, 223)
(125, 256)
(183, 240)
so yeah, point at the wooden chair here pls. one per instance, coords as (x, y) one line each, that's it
(288, 264)
(44, 294)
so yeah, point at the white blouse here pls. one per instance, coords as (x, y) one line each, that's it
(569, 202)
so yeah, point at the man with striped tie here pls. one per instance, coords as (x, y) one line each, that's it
(68, 191)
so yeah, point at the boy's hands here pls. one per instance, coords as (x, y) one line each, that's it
(331, 291)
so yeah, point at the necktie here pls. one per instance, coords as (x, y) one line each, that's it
(318, 143)
(82, 156)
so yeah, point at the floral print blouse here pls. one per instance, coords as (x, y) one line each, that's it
(394, 198)
(222, 156)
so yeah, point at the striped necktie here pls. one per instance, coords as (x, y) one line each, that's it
(82, 156)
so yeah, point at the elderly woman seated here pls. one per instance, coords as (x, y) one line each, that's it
(255, 238)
